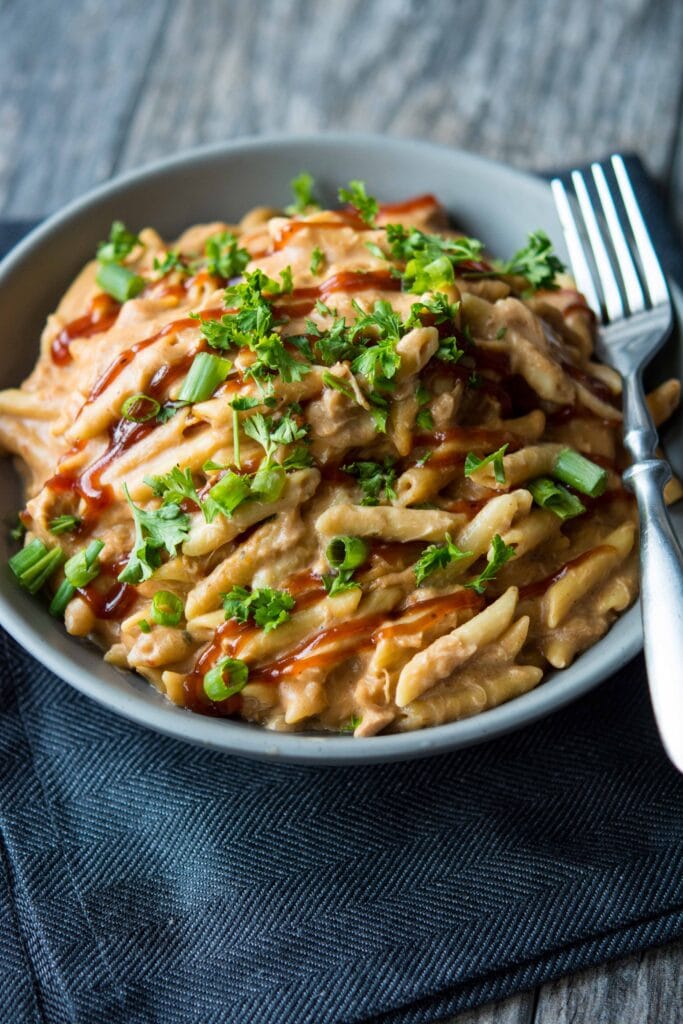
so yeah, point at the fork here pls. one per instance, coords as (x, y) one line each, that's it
(636, 320)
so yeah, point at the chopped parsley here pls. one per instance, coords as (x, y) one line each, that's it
(174, 487)
(438, 556)
(339, 582)
(473, 463)
(536, 262)
(500, 554)
(333, 344)
(271, 433)
(366, 206)
(449, 351)
(424, 419)
(379, 362)
(317, 260)
(250, 324)
(376, 480)
(224, 257)
(375, 250)
(268, 608)
(162, 529)
(120, 244)
(172, 261)
(429, 259)
(437, 305)
(302, 189)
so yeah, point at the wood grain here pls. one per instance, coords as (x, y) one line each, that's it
(517, 1010)
(647, 989)
(89, 88)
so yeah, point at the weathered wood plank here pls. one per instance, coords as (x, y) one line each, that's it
(641, 989)
(516, 1010)
(69, 76)
(535, 83)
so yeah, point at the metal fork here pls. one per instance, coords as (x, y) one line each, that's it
(636, 319)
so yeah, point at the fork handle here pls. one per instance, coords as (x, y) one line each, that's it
(661, 574)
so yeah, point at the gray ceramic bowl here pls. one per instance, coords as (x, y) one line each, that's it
(488, 200)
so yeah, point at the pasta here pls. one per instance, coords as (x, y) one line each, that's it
(329, 469)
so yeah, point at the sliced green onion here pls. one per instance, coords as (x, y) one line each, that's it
(225, 679)
(167, 608)
(64, 524)
(34, 565)
(555, 497)
(229, 492)
(144, 626)
(206, 373)
(65, 591)
(268, 481)
(139, 408)
(346, 552)
(119, 282)
(83, 567)
(579, 472)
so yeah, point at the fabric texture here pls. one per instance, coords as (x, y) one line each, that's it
(146, 881)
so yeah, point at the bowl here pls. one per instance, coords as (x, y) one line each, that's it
(486, 199)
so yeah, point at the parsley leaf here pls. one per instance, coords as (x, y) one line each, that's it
(366, 206)
(174, 487)
(250, 324)
(376, 480)
(339, 582)
(302, 188)
(172, 261)
(500, 554)
(224, 257)
(437, 305)
(267, 607)
(300, 458)
(473, 463)
(375, 250)
(332, 345)
(317, 260)
(273, 357)
(437, 556)
(424, 419)
(120, 244)
(270, 434)
(536, 262)
(162, 529)
(449, 351)
(379, 362)
(429, 259)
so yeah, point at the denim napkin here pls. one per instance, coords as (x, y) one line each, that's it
(144, 880)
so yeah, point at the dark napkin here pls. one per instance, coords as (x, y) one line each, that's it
(150, 881)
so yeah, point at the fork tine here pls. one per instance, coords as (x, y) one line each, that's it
(629, 275)
(577, 258)
(614, 307)
(656, 282)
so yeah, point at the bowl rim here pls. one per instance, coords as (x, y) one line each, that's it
(246, 739)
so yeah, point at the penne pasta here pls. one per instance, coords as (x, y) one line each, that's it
(327, 471)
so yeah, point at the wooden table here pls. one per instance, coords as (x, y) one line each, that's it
(88, 89)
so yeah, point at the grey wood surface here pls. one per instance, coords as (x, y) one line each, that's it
(88, 89)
